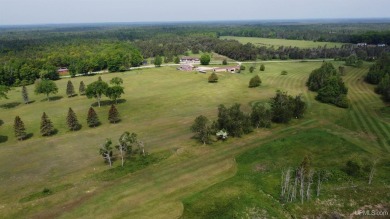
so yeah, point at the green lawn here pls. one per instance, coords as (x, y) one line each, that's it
(268, 42)
(160, 104)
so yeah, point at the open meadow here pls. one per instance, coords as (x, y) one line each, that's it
(268, 42)
(160, 104)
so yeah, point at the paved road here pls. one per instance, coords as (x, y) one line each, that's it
(213, 63)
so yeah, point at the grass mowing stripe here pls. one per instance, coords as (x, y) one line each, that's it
(233, 149)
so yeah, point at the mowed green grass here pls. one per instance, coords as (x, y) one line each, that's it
(160, 106)
(268, 42)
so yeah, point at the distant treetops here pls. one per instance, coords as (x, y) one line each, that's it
(327, 81)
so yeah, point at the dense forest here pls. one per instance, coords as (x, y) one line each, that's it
(28, 53)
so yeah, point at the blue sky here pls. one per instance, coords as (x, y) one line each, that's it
(92, 11)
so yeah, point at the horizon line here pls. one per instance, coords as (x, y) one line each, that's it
(199, 21)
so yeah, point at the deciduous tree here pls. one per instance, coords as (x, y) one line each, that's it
(3, 91)
(261, 116)
(47, 87)
(255, 81)
(106, 151)
(116, 81)
(202, 129)
(96, 90)
(125, 144)
(205, 59)
(157, 61)
(115, 92)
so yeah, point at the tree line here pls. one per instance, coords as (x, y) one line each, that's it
(232, 121)
(47, 128)
(26, 55)
(329, 85)
(379, 74)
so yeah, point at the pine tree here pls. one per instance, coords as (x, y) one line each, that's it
(20, 130)
(92, 118)
(25, 95)
(82, 88)
(47, 128)
(72, 121)
(113, 114)
(70, 89)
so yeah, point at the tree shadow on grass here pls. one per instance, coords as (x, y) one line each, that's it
(108, 102)
(10, 105)
(74, 95)
(53, 98)
(3, 139)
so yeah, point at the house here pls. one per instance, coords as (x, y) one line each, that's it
(63, 71)
(186, 67)
(381, 45)
(187, 59)
(361, 44)
(232, 69)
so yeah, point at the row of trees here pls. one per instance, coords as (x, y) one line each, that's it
(94, 90)
(47, 127)
(234, 122)
(327, 81)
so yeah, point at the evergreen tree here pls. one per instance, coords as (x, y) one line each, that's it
(92, 118)
(70, 89)
(255, 81)
(213, 78)
(251, 69)
(25, 95)
(113, 114)
(72, 121)
(20, 130)
(47, 128)
(262, 67)
(82, 88)
(224, 62)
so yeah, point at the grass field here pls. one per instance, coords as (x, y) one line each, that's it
(268, 42)
(160, 104)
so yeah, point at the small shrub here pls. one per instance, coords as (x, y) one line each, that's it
(251, 69)
(262, 67)
(284, 72)
(224, 62)
(213, 78)
(255, 81)
(242, 67)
